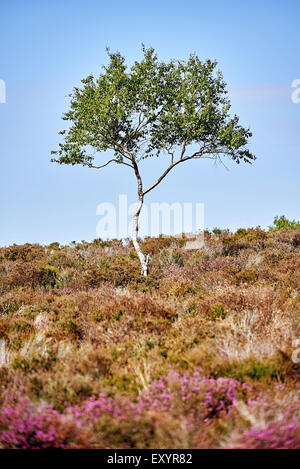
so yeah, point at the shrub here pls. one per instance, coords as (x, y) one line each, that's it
(47, 276)
(244, 239)
(25, 253)
(282, 223)
(26, 426)
(201, 398)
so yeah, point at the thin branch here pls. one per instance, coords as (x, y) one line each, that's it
(172, 165)
(143, 122)
(124, 152)
(127, 157)
(108, 162)
(171, 153)
(196, 155)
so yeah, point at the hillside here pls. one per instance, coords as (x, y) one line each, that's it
(197, 355)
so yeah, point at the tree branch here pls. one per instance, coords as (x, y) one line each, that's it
(172, 165)
(136, 171)
(108, 162)
(197, 154)
(183, 150)
(171, 153)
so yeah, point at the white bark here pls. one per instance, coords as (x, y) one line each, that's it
(135, 229)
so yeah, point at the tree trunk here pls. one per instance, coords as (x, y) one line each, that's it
(135, 229)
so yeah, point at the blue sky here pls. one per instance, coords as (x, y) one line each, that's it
(47, 47)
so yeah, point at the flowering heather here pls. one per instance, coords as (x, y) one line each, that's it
(202, 353)
(201, 398)
(278, 435)
(196, 398)
(27, 426)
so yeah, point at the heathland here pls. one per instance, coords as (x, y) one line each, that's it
(202, 353)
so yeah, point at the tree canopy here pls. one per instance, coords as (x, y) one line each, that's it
(150, 108)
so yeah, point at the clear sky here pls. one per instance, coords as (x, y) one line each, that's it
(48, 46)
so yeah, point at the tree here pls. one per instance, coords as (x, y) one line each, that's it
(178, 109)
